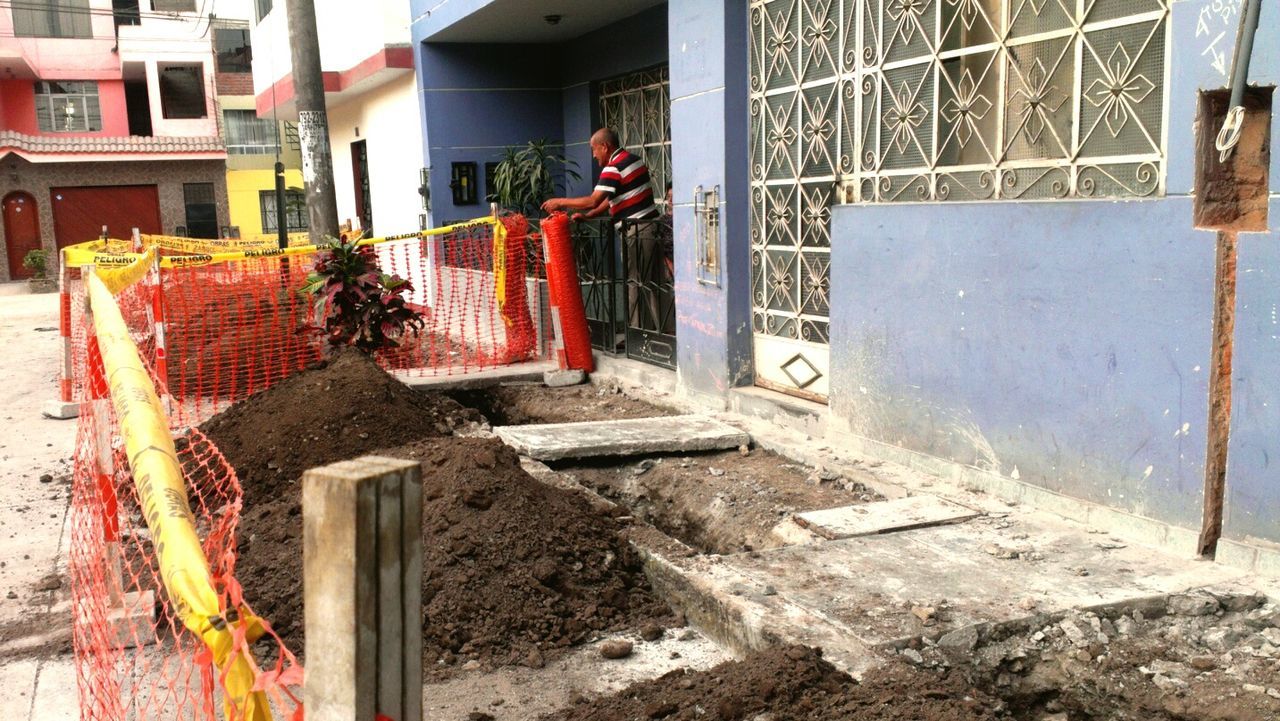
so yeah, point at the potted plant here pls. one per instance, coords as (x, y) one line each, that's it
(527, 176)
(37, 261)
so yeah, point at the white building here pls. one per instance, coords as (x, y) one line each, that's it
(374, 128)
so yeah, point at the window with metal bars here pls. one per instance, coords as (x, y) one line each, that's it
(638, 108)
(295, 210)
(67, 106)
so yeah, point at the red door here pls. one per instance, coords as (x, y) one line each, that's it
(80, 213)
(21, 231)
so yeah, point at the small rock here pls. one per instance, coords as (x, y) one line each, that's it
(1083, 656)
(689, 635)
(961, 639)
(479, 716)
(11, 595)
(769, 591)
(716, 471)
(1073, 633)
(643, 467)
(563, 378)
(1079, 570)
(1253, 688)
(52, 582)
(1235, 601)
(828, 476)
(46, 478)
(744, 450)
(471, 665)
(926, 614)
(1124, 625)
(1204, 663)
(1220, 639)
(651, 632)
(913, 656)
(1027, 604)
(1273, 693)
(1192, 604)
(534, 659)
(616, 649)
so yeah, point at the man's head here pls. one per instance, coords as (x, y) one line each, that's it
(603, 143)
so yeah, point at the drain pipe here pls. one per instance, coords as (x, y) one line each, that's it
(1230, 133)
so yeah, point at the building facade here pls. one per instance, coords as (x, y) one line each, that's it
(957, 235)
(107, 119)
(371, 100)
(254, 144)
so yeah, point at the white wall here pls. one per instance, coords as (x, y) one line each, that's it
(349, 32)
(387, 118)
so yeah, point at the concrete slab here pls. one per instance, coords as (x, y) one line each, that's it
(465, 380)
(883, 517)
(554, 441)
(61, 410)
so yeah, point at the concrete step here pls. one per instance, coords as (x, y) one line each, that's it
(669, 434)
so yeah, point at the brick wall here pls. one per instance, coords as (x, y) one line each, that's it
(167, 175)
(234, 83)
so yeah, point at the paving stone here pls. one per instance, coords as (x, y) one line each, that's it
(884, 516)
(637, 436)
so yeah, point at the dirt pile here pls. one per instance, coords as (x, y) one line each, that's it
(333, 411)
(791, 684)
(513, 570)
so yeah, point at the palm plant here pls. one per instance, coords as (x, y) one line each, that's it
(527, 176)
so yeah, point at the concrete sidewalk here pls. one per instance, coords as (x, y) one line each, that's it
(37, 674)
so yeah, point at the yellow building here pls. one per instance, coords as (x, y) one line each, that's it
(252, 146)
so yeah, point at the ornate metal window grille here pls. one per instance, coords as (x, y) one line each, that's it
(638, 108)
(938, 100)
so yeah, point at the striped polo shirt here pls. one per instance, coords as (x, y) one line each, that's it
(626, 181)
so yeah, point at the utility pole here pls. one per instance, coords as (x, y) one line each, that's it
(313, 123)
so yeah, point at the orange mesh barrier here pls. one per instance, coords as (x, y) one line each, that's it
(135, 658)
(566, 294)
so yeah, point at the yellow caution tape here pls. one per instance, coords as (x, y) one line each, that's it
(118, 278)
(500, 266)
(157, 475)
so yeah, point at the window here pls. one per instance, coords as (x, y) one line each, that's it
(202, 210)
(247, 134)
(182, 91)
(52, 19)
(173, 6)
(126, 12)
(67, 107)
(295, 210)
(263, 7)
(232, 47)
(638, 108)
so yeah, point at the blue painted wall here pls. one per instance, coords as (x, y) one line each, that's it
(1067, 344)
(708, 148)
(1253, 462)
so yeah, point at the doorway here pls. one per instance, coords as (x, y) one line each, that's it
(360, 176)
(21, 231)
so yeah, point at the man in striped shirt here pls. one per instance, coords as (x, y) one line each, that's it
(623, 188)
(625, 192)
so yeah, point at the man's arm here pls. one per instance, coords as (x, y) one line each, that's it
(590, 203)
(595, 212)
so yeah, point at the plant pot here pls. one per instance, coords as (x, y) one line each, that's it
(43, 285)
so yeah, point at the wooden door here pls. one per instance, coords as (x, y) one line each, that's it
(21, 231)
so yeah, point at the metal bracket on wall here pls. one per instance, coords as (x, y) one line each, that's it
(706, 228)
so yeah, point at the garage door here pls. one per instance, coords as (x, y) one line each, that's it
(80, 213)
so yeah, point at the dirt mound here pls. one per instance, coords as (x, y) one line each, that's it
(790, 684)
(332, 411)
(513, 570)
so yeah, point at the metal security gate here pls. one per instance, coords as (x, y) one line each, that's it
(891, 101)
(628, 289)
(638, 107)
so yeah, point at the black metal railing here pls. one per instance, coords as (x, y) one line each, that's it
(628, 287)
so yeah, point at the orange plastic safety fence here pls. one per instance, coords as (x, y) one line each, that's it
(134, 657)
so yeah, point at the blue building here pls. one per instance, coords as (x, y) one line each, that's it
(955, 234)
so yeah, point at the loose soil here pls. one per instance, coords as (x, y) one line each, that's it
(792, 683)
(524, 404)
(513, 571)
(333, 411)
(720, 502)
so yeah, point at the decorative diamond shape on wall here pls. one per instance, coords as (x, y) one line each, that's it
(801, 371)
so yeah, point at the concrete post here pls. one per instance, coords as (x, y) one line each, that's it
(313, 122)
(362, 580)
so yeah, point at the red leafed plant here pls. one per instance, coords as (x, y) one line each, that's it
(359, 304)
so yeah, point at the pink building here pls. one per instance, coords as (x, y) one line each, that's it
(107, 118)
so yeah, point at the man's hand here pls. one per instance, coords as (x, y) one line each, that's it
(551, 205)
(579, 217)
